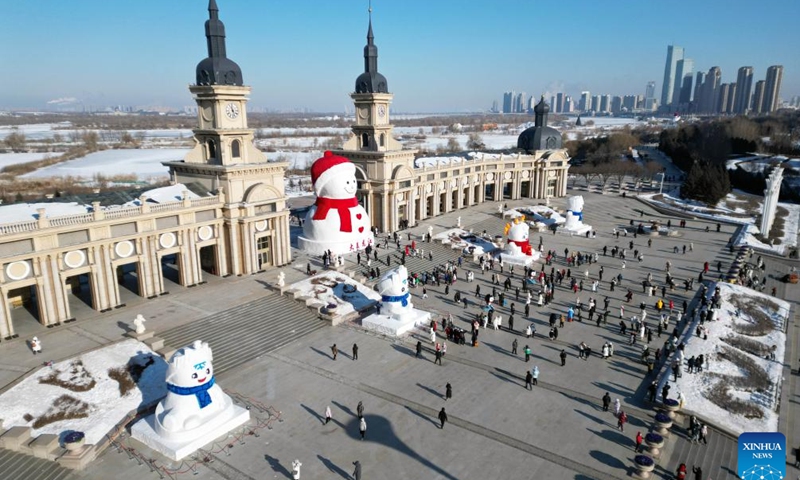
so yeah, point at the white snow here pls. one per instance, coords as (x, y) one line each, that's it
(328, 287)
(536, 214)
(144, 163)
(23, 212)
(170, 193)
(695, 385)
(463, 239)
(107, 407)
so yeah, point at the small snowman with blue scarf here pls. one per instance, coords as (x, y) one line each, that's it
(193, 397)
(395, 296)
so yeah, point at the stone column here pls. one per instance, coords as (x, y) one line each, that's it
(771, 194)
(45, 292)
(6, 327)
(62, 303)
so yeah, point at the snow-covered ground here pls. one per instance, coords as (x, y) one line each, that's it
(328, 287)
(696, 385)
(144, 163)
(737, 214)
(458, 237)
(106, 406)
(536, 214)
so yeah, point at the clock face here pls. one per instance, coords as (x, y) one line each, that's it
(232, 110)
(382, 111)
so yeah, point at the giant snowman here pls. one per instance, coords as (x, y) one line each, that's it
(195, 411)
(336, 221)
(574, 223)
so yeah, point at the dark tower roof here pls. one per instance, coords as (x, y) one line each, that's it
(217, 68)
(371, 81)
(540, 136)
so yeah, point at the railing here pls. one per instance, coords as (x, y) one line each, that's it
(20, 227)
(108, 214)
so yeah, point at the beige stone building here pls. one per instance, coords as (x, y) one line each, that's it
(226, 214)
(397, 188)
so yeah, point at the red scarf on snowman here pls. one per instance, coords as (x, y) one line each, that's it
(342, 207)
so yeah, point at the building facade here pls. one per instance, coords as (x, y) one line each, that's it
(744, 88)
(674, 53)
(397, 188)
(52, 266)
(772, 88)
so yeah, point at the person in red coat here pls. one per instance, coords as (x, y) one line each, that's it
(639, 440)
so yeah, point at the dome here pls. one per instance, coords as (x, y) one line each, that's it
(371, 82)
(541, 107)
(539, 138)
(219, 71)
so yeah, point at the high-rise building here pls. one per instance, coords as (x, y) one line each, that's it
(586, 102)
(699, 82)
(553, 101)
(519, 103)
(710, 98)
(758, 97)
(559, 102)
(596, 103)
(772, 89)
(531, 103)
(674, 53)
(629, 103)
(686, 91)
(616, 104)
(722, 101)
(683, 67)
(744, 85)
(508, 101)
(650, 96)
(605, 103)
(568, 106)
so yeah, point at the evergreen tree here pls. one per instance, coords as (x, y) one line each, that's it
(706, 182)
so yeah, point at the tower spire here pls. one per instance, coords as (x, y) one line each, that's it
(217, 69)
(370, 36)
(371, 81)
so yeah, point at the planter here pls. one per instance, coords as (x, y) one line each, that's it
(74, 441)
(644, 465)
(663, 422)
(671, 406)
(654, 442)
(330, 308)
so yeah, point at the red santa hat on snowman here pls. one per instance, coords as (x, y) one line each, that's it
(324, 170)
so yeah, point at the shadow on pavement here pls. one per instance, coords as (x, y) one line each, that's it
(332, 467)
(430, 390)
(313, 413)
(276, 466)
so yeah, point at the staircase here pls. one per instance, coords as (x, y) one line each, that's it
(18, 466)
(246, 332)
(717, 459)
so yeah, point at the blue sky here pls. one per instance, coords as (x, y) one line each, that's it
(438, 55)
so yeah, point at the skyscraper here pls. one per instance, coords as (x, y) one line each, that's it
(586, 102)
(772, 89)
(559, 102)
(650, 96)
(744, 86)
(722, 101)
(729, 108)
(605, 103)
(683, 67)
(568, 107)
(710, 98)
(700, 79)
(686, 91)
(508, 100)
(596, 103)
(674, 53)
(519, 103)
(758, 97)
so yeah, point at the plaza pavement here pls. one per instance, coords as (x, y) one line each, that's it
(497, 429)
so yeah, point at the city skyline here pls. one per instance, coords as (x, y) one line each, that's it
(447, 56)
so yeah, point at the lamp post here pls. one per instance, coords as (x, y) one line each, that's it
(661, 187)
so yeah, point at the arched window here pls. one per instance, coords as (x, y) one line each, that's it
(364, 140)
(383, 139)
(235, 149)
(212, 150)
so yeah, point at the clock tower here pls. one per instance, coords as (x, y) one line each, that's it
(226, 162)
(382, 164)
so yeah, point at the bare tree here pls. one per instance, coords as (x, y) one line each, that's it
(453, 145)
(15, 141)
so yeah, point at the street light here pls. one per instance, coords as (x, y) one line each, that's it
(661, 187)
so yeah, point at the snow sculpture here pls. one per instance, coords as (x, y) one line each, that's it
(336, 221)
(574, 223)
(138, 322)
(281, 279)
(195, 411)
(398, 313)
(458, 222)
(393, 287)
(517, 236)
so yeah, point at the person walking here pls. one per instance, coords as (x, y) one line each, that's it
(652, 389)
(357, 472)
(419, 349)
(527, 353)
(335, 351)
(36, 345)
(448, 392)
(617, 407)
(360, 410)
(514, 347)
(621, 419)
(704, 434)
(563, 356)
(442, 417)
(529, 381)
(698, 473)
(362, 427)
(355, 351)
(606, 401)
(328, 415)
(639, 440)
(438, 358)
(535, 373)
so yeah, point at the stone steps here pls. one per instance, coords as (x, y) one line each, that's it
(717, 459)
(246, 332)
(18, 466)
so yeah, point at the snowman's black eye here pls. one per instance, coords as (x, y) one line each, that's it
(208, 371)
(194, 375)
